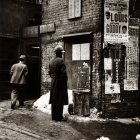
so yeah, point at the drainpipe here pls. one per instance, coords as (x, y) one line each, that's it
(102, 57)
(40, 63)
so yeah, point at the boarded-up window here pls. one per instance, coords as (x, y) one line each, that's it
(74, 8)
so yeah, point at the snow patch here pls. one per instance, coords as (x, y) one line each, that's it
(138, 137)
(43, 105)
(103, 138)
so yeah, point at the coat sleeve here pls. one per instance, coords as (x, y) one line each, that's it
(26, 70)
(63, 70)
(12, 69)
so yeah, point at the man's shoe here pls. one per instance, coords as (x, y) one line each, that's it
(21, 106)
(64, 119)
(12, 106)
(61, 120)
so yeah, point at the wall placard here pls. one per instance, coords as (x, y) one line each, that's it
(132, 60)
(131, 84)
(107, 63)
(116, 21)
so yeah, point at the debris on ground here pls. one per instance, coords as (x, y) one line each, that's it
(136, 120)
(103, 138)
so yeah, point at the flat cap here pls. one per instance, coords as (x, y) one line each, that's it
(22, 57)
(59, 48)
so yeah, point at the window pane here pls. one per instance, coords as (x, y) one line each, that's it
(85, 51)
(76, 52)
(77, 8)
(71, 8)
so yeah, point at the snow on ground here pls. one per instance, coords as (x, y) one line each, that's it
(103, 138)
(43, 105)
(138, 137)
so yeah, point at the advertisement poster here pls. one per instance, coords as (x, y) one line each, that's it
(131, 84)
(116, 21)
(110, 87)
(132, 60)
(107, 63)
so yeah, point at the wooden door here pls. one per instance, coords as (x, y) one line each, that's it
(32, 51)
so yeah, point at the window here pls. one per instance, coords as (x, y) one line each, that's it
(74, 8)
(81, 51)
(78, 50)
(81, 66)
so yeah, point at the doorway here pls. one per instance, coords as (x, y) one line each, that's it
(8, 56)
(78, 60)
(32, 50)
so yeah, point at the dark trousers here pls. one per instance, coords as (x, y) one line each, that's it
(57, 112)
(17, 94)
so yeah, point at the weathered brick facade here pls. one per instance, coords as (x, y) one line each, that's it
(91, 21)
(129, 105)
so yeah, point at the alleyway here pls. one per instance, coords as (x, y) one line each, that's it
(30, 124)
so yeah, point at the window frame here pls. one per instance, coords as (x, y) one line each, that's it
(74, 9)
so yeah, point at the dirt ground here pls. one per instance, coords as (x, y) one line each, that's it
(30, 124)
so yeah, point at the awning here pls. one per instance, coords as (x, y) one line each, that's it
(76, 34)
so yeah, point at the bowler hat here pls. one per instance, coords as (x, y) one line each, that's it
(22, 57)
(59, 48)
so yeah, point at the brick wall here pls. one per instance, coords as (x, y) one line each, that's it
(91, 20)
(96, 73)
(47, 55)
(57, 12)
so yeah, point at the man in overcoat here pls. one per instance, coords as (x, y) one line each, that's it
(18, 73)
(58, 92)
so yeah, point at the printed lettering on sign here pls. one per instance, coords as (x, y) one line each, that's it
(116, 21)
(132, 59)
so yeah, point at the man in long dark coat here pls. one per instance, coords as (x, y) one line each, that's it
(58, 92)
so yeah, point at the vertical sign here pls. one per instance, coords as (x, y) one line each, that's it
(107, 63)
(132, 60)
(116, 21)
